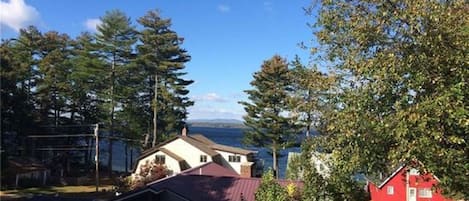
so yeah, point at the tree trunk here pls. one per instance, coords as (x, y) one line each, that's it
(126, 157)
(131, 157)
(111, 132)
(274, 162)
(155, 112)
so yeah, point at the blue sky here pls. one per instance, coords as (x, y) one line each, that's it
(227, 39)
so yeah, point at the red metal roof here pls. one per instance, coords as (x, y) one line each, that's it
(208, 182)
(213, 188)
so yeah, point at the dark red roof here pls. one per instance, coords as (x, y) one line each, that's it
(213, 188)
(207, 182)
(211, 169)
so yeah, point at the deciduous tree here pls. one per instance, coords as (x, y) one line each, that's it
(270, 190)
(405, 86)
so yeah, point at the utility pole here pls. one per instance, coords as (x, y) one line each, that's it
(155, 111)
(96, 156)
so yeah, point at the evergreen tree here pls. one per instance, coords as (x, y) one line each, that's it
(268, 119)
(52, 82)
(86, 81)
(115, 38)
(18, 66)
(162, 61)
(405, 90)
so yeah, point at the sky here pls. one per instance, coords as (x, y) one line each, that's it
(228, 40)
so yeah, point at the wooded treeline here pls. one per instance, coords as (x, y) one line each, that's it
(129, 80)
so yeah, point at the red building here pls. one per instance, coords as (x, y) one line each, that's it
(406, 184)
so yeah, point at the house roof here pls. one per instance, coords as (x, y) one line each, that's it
(210, 188)
(391, 176)
(199, 145)
(232, 149)
(154, 149)
(171, 154)
(207, 182)
(399, 169)
(203, 139)
(210, 168)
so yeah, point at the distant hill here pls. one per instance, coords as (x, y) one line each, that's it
(216, 123)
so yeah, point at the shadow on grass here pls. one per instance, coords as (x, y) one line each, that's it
(80, 193)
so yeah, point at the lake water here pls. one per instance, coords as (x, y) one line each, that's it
(226, 136)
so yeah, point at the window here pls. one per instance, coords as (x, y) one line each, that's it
(425, 192)
(234, 158)
(414, 171)
(159, 159)
(390, 190)
(203, 158)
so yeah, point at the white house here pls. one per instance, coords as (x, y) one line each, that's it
(186, 151)
(320, 162)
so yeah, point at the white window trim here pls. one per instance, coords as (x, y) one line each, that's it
(425, 193)
(390, 190)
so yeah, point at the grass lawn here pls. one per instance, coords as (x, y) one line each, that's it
(63, 191)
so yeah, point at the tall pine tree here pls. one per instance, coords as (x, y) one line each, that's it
(115, 36)
(163, 60)
(270, 122)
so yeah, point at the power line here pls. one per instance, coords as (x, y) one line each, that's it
(63, 135)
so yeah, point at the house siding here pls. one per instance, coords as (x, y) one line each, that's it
(188, 152)
(171, 163)
(398, 182)
(236, 166)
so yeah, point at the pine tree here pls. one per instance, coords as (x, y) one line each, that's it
(268, 119)
(18, 80)
(53, 85)
(115, 36)
(162, 60)
(86, 81)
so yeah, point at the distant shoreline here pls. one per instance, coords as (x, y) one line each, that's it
(216, 125)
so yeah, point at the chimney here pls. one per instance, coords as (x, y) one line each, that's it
(184, 131)
(247, 169)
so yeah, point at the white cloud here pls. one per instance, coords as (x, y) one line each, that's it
(213, 97)
(223, 8)
(16, 14)
(92, 24)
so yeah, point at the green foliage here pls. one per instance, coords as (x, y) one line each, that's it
(294, 167)
(270, 190)
(267, 117)
(404, 67)
(311, 89)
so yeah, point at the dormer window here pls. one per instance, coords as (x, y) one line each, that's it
(234, 158)
(160, 159)
(203, 158)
